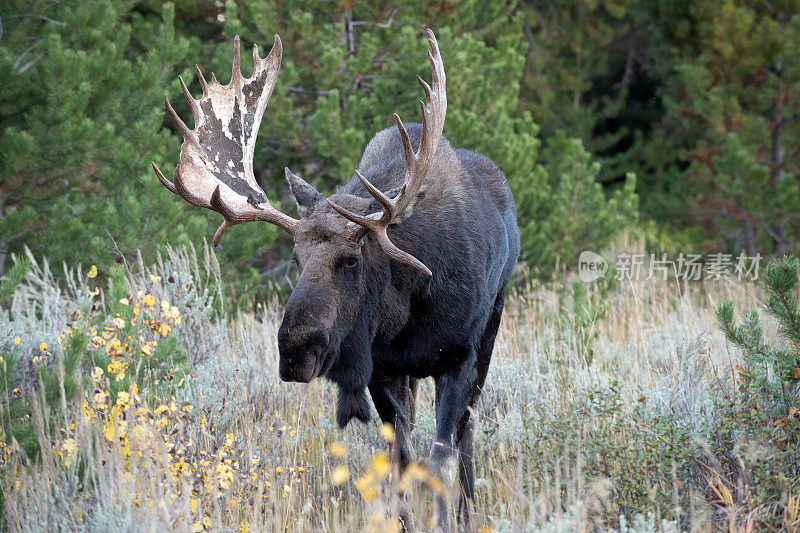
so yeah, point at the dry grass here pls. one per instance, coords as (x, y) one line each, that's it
(563, 444)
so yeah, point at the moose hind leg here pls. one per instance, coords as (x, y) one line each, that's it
(466, 470)
(454, 392)
(466, 429)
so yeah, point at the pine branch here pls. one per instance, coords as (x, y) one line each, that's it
(12, 280)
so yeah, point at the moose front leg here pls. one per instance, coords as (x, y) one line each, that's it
(454, 394)
(392, 397)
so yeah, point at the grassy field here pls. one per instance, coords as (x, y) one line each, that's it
(604, 410)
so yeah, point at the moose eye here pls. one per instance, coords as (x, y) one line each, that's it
(350, 261)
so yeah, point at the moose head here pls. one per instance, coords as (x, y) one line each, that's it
(342, 248)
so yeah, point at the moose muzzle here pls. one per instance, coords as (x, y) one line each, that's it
(301, 351)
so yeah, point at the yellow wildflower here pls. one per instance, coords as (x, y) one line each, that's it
(67, 451)
(88, 412)
(366, 486)
(93, 272)
(118, 368)
(340, 475)
(43, 347)
(148, 300)
(101, 399)
(412, 473)
(118, 323)
(114, 347)
(387, 430)
(225, 473)
(123, 398)
(17, 340)
(381, 464)
(245, 527)
(163, 329)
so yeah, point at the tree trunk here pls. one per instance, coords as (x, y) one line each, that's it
(777, 172)
(3, 244)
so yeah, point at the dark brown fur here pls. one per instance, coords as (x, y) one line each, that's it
(369, 323)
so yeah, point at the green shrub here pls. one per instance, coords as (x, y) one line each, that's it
(760, 424)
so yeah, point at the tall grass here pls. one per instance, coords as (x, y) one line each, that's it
(588, 421)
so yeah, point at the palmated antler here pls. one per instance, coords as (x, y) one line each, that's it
(417, 163)
(216, 161)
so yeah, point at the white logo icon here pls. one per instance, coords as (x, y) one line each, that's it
(591, 266)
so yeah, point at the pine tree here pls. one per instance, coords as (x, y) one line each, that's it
(82, 116)
(731, 107)
(356, 82)
(587, 74)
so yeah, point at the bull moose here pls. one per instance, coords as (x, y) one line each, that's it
(402, 272)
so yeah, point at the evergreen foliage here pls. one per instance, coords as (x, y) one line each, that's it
(773, 371)
(12, 279)
(730, 77)
(762, 403)
(697, 99)
(82, 116)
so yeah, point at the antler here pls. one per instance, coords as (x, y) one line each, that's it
(216, 161)
(417, 163)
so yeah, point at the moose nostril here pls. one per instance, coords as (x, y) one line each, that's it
(302, 339)
(318, 340)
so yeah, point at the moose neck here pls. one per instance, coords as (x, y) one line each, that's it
(352, 369)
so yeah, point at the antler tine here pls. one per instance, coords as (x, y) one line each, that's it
(408, 151)
(396, 253)
(361, 220)
(190, 99)
(180, 124)
(236, 72)
(164, 181)
(425, 87)
(220, 230)
(388, 205)
(202, 80)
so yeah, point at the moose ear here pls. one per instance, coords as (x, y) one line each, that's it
(304, 194)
